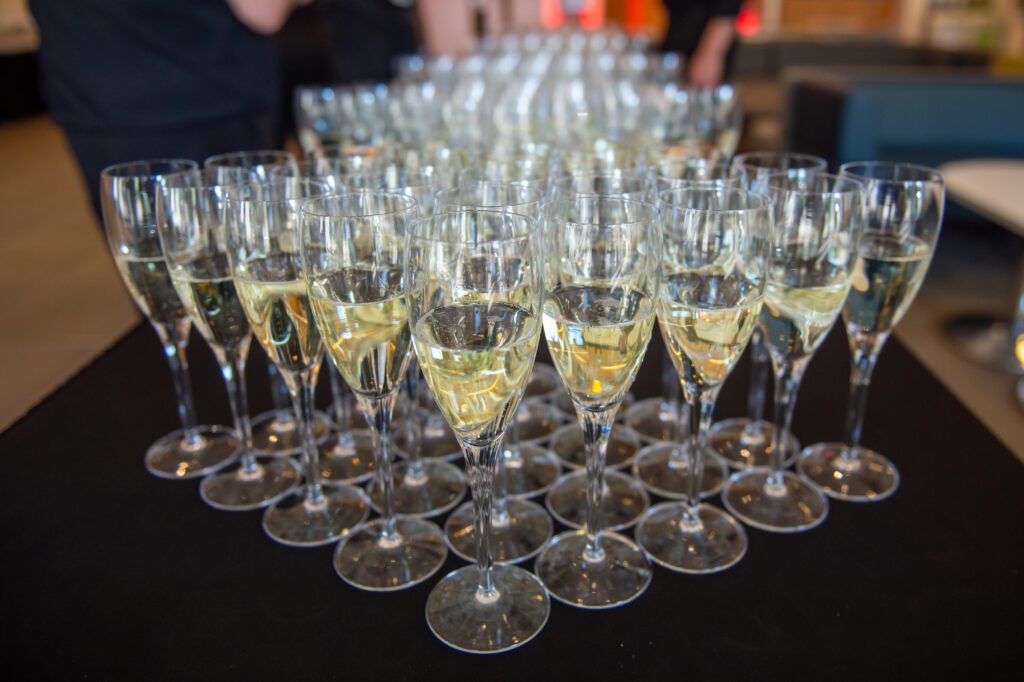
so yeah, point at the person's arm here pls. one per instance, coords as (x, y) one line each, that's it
(264, 16)
(706, 67)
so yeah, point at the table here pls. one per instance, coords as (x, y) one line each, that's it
(993, 188)
(110, 573)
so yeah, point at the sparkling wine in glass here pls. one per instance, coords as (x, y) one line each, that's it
(817, 226)
(129, 195)
(476, 290)
(266, 264)
(603, 273)
(902, 217)
(353, 247)
(716, 248)
(192, 213)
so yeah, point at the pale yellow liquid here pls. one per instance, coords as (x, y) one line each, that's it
(149, 283)
(208, 291)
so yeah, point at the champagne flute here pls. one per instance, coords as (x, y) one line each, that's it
(747, 441)
(191, 214)
(817, 224)
(603, 270)
(266, 264)
(353, 246)
(275, 432)
(476, 290)
(128, 193)
(716, 248)
(902, 218)
(519, 527)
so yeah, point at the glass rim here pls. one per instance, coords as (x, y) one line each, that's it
(114, 170)
(414, 234)
(767, 203)
(306, 208)
(531, 187)
(320, 184)
(204, 182)
(216, 158)
(653, 209)
(931, 174)
(855, 185)
(818, 162)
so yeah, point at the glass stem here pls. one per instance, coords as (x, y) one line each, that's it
(863, 357)
(232, 368)
(412, 386)
(760, 371)
(379, 411)
(302, 397)
(787, 382)
(702, 410)
(501, 481)
(279, 394)
(597, 429)
(175, 342)
(483, 463)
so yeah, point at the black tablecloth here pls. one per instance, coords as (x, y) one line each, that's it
(109, 572)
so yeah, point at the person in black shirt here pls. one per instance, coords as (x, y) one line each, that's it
(135, 79)
(703, 31)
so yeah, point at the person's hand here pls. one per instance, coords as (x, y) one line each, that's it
(705, 69)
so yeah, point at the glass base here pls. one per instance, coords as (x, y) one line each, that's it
(436, 488)
(664, 473)
(654, 420)
(544, 382)
(622, 503)
(466, 619)
(795, 505)
(279, 437)
(518, 537)
(536, 421)
(711, 542)
(347, 457)
(173, 457)
(617, 576)
(743, 444)
(867, 477)
(439, 441)
(239, 491)
(568, 445)
(369, 561)
(294, 522)
(530, 474)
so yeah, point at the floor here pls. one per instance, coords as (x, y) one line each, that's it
(64, 302)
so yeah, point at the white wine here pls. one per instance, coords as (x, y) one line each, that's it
(597, 336)
(706, 321)
(363, 317)
(149, 283)
(277, 305)
(205, 286)
(477, 358)
(890, 270)
(801, 303)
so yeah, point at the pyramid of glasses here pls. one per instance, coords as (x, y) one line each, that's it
(559, 185)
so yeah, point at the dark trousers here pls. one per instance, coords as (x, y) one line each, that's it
(95, 150)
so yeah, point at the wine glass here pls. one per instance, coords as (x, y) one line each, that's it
(266, 264)
(747, 441)
(275, 432)
(129, 195)
(519, 527)
(353, 247)
(716, 249)
(902, 218)
(817, 223)
(191, 214)
(475, 296)
(603, 273)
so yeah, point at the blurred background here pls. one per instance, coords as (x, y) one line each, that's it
(928, 81)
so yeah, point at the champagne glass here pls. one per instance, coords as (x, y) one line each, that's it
(266, 264)
(519, 527)
(275, 432)
(817, 223)
(902, 218)
(475, 295)
(128, 193)
(353, 246)
(191, 214)
(716, 249)
(747, 441)
(603, 270)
